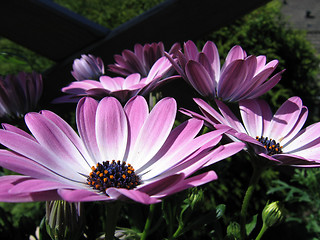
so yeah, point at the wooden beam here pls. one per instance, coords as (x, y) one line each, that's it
(47, 28)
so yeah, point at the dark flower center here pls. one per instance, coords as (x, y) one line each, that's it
(271, 145)
(115, 174)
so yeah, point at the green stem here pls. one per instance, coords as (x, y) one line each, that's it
(147, 226)
(112, 213)
(257, 170)
(178, 232)
(262, 231)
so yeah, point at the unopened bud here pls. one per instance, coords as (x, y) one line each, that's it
(272, 214)
(233, 231)
(64, 220)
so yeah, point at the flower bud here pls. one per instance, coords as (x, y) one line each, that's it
(272, 214)
(87, 67)
(195, 197)
(64, 220)
(233, 231)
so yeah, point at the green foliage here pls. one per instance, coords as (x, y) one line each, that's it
(109, 13)
(303, 191)
(15, 58)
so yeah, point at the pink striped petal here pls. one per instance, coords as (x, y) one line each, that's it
(228, 150)
(191, 51)
(200, 79)
(6, 184)
(111, 129)
(231, 78)
(211, 51)
(79, 87)
(38, 153)
(86, 118)
(26, 166)
(14, 129)
(81, 195)
(284, 119)
(154, 132)
(153, 187)
(303, 138)
(299, 124)
(51, 137)
(191, 182)
(263, 88)
(137, 113)
(135, 195)
(231, 119)
(30, 185)
(252, 117)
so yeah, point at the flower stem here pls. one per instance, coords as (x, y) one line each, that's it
(257, 170)
(112, 214)
(262, 231)
(148, 223)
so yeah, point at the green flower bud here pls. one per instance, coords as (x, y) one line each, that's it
(272, 214)
(233, 231)
(195, 197)
(64, 220)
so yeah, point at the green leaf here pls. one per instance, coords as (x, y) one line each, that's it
(251, 225)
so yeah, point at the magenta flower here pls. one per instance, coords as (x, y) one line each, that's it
(241, 76)
(121, 88)
(87, 67)
(141, 60)
(121, 154)
(19, 94)
(277, 137)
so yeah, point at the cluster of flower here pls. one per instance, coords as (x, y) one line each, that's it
(114, 123)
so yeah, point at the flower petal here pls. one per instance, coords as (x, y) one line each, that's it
(111, 129)
(200, 79)
(86, 118)
(135, 195)
(137, 112)
(82, 195)
(154, 132)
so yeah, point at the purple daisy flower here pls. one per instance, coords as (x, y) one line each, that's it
(87, 67)
(121, 153)
(121, 88)
(19, 94)
(277, 137)
(241, 76)
(141, 60)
